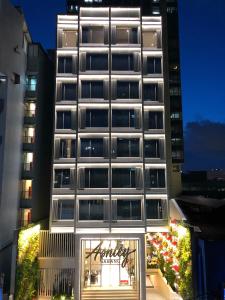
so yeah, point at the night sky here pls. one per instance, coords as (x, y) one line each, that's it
(202, 44)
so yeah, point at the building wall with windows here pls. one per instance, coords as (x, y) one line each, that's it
(13, 50)
(37, 136)
(113, 172)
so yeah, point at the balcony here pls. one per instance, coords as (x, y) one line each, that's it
(27, 170)
(29, 117)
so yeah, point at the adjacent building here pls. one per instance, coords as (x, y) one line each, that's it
(26, 113)
(117, 146)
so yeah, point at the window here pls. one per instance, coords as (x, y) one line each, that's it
(69, 38)
(65, 64)
(31, 83)
(154, 209)
(94, 34)
(62, 178)
(96, 178)
(26, 189)
(154, 65)
(123, 178)
(126, 35)
(63, 120)
(156, 178)
(96, 118)
(150, 92)
(91, 147)
(98, 62)
(92, 89)
(150, 39)
(152, 149)
(91, 210)
(127, 90)
(128, 209)
(67, 148)
(28, 135)
(69, 92)
(127, 147)
(155, 120)
(123, 118)
(65, 210)
(122, 62)
(27, 161)
(29, 109)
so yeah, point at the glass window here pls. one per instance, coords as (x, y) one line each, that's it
(154, 65)
(155, 120)
(157, 178)
(69, 91)
(128, 209)
(92, 89)
(96, 178)
(154, 209)
(126, 35)
(63, 120)
(62, 178)
(127, 90)
(65, 209)
(67, 148)
(97, 62)
(123, 118)
(122, 62)
(93, 34)
(91, 147)
(31, 83)
(28, 134)
(27, 161)
(152, 148)
(69, 38)
(150, 39)
(127, 147)
(123, 178)
(150, 92)
(29, 109)
(65, 64)
(26, 189)
(96, 118)
(91, 210)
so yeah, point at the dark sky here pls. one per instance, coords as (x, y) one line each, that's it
(202, 44)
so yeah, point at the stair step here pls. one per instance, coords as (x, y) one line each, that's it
(109, 295)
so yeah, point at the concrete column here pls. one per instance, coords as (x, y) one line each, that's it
(142, 267)
(77, 290)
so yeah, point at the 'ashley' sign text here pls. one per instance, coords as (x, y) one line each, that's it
(119, 251)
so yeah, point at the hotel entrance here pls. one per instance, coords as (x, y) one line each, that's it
(110, 264)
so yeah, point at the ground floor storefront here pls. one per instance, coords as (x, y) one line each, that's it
(106, 267)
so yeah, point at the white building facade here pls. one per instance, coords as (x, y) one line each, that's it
(112, 158)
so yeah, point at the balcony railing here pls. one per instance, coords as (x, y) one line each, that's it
(27, 166)
(29, 113)
(26, 194)
(28, 139)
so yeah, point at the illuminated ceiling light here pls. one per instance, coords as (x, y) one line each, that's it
(67, 79)
(158, 229)
(157, 196)
(61, 229)
(158, 80)
(155, 166)
(152, 52)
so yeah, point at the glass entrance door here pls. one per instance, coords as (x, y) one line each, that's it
(110, 264)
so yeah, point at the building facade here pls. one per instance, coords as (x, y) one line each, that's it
(13, 51)
(113, 170)
(26, 112)
(36, 136)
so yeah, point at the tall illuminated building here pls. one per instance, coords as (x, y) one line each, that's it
(118, 146)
